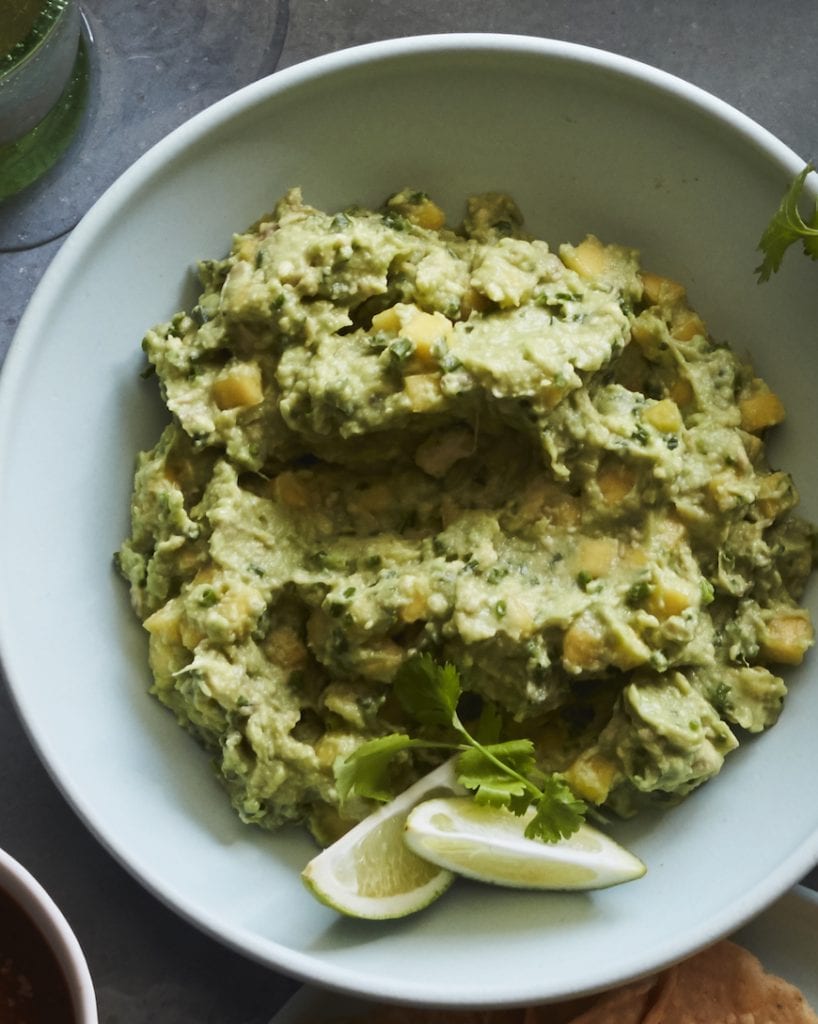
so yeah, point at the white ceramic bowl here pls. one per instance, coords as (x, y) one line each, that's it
(19, 885)
(585, 141)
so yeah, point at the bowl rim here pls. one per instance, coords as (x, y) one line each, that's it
(295, 962)
(50, 921)
(284, 79)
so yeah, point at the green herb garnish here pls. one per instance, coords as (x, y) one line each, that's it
(503, 774)
(400, 349)
(638, 593)
(788, 227)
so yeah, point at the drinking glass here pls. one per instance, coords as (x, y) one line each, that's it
(99, 82)
(43, 84)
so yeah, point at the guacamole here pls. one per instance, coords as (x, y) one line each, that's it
(389, 437)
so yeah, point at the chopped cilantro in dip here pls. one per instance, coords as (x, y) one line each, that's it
(392, 439)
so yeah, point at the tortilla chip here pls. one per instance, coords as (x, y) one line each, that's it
(430, 1015)
(726, 985)
(625, 1005)
(558, 1013)
(723, 984)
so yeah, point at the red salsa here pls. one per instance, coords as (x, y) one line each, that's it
(33, 989)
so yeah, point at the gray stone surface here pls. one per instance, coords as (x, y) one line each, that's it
(149, 965)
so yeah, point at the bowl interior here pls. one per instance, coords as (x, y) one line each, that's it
(585, 142)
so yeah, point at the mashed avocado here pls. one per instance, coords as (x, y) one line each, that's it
(391, 437)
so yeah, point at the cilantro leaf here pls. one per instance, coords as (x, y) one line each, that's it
(365, 772)
(499, 773)
(492, 782)
(558, 812)
(518, 755)
(489, 725)
(787, 227)
(500, 791)
(428, 692)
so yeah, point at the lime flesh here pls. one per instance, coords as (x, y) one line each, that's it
(488, 844)
(370, 872)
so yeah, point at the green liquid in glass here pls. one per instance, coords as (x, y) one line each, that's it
(24, 28)
(23, 25)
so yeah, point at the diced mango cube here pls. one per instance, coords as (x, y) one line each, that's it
(760, 409)
(190, 634)
(687, 325)
(596, 555)
(165, 660)
(421, 328)
(591, 776)
(634, 558)
(165, 621)
(664, 415)
(386, 320)
(416, 594)
(775, 494)
(583, 647)
(643, 330)
(291, 490)
(787, 637)
(588, 259)
(424, 329)
(423, 391)
(284, 647)
(426, 214)
(418, 208)
(238, 386)
(615, 481)
(681, 391)
(669, 596)
(661, 291)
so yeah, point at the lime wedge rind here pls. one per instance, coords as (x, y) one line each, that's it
(406, 855)
(377, 908)
(488, 844)
(370, 872)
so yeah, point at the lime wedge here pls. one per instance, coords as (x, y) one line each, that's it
(370, 872)
(488, 844)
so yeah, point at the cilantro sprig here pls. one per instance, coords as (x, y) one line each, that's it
(502, 773)
(787, 227)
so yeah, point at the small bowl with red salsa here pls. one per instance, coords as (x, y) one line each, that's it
(44, 978)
